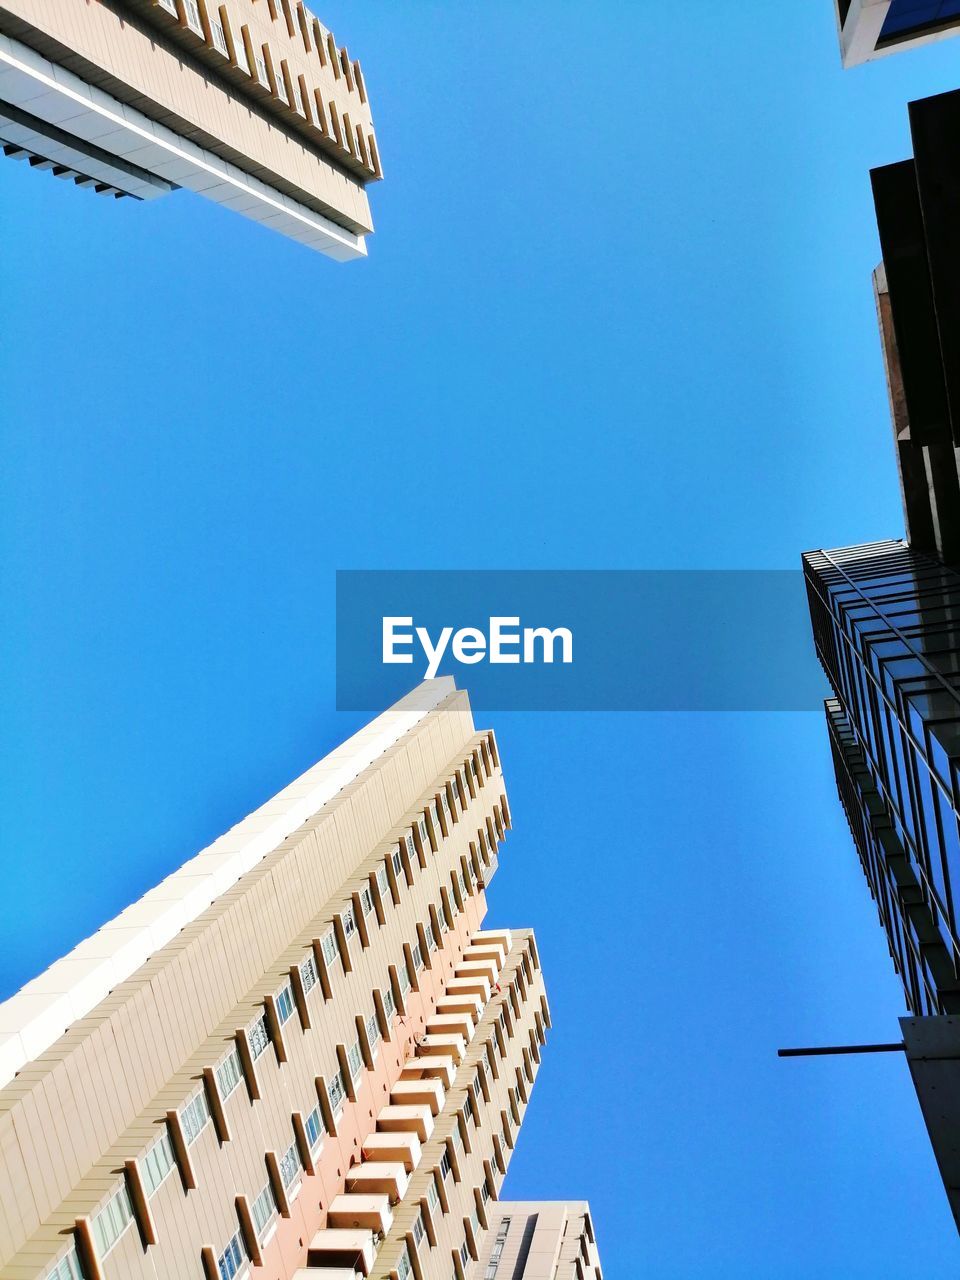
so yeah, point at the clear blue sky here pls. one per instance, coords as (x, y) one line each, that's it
(617, 313)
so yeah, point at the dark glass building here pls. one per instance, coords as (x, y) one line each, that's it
(886, 623)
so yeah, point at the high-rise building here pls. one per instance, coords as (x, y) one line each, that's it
(886, 622)
(539, 1240)
(301, 1055)
(250, 103)
(871, 28)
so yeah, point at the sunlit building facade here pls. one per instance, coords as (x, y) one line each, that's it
(302, 1054)
(252, 104)
(539, 1240)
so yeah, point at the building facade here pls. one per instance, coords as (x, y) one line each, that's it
(872, 28)
(250, 103)
(300, 1055)
(886, 623)
(539, 1240)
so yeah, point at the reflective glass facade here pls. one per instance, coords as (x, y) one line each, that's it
(911, 17)
(886, 623)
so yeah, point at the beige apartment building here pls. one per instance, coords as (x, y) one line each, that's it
(539, 1240)
(302, 1054)
(253, 104)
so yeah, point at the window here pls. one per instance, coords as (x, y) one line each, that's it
(192, 12)
(281, 85)
(336, 1091)
(404, 1266)
(240, 52)
(423, 833)
(468, 1108)
(411, 849)
(397, 862)
(258, 1037)
(230, 1263)
(497, 1249)
(308, 974)
(328, 945)
(314, 1128)
(157, 1163)
(462, 883)
(194, 1115)
(366, 901)
(436, 817)
(355, 1060)
(404, 980)
(383, 881)
(373, 1031)
(349, 922)
(389, 1004)
(170, 6)
(444, 801)
(417, 957)
(464, 1254)
(112, 1221)
(445, 1165)
(419, 1231)
(433, 1195)
(284, 1003)
(229, 1074)
(290, 1166)
(67, 1268)
(217, 31)
(484, 1191)
(261, 69)
(430, 937)
(263, 1211)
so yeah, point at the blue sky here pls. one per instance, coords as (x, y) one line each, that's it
(617, 313)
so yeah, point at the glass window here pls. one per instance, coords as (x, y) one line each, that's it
(404, 979)
(264, 1211)
(230, 1263)
(445, 1165)
(398, 863)
(328, 945)
(404, 1266)
(192, 13)
(373, 1031)
(68, 1268)
(112, 1220)
(261, 69)
(418, 1230)
(424, 838)
(308, 974)
(389, 1004)
(336, 1091)
(284, 1003)
(290, 1165)
(433, 1195)
(355, 1060)
(366, 901)
(157, 1163)
(217, 31)
(383, 881)
(349, 922)
(417, 957)
(229, 1074)
(314, 1128)
(194, 1115)
(258, 1036)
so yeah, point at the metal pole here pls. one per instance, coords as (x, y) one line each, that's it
(841, 1048)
